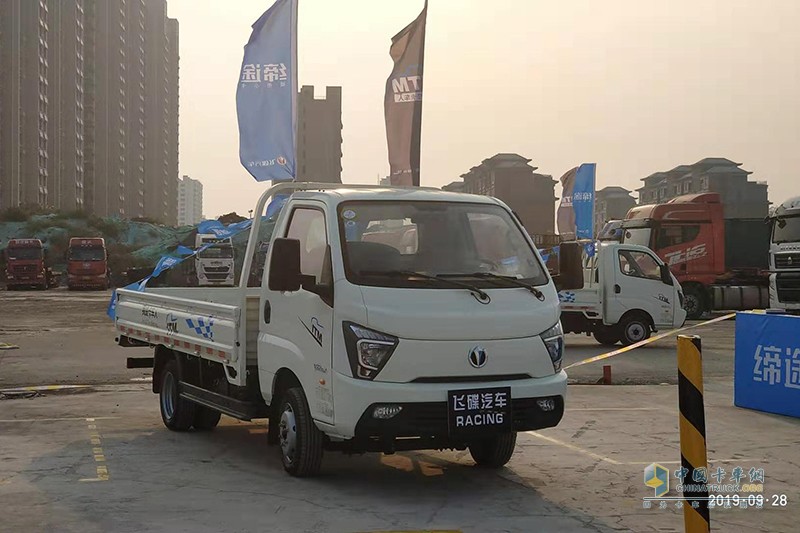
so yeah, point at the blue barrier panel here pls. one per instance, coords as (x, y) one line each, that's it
(767, 363)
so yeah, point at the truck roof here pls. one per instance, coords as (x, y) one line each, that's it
(790, 207)
(24, 243)
(684, 207)
(87, 241)
(419, 194)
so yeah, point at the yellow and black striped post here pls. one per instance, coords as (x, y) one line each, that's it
(693, 433)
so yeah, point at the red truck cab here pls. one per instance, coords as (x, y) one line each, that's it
(721, 263)
(25, 265)
(87, 263)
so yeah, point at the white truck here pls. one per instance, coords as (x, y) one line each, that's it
(356, 345)
(214, 265)
(628, 293)
(784, 256)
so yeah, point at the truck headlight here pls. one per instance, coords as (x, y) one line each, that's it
(367, 350)
(553, 340)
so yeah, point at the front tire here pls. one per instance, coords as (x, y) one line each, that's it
(694, 302)
(634, 328)
(176, 412)
(494, 451)
(205, 418)
(299, 438)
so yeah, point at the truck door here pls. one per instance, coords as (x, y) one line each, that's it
(296, 328)
(638, 285)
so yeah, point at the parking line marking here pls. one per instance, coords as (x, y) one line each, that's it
(10, 420)
(615, 409)
(574, 448)
(710, 461)
(649, 341)
(97, 451)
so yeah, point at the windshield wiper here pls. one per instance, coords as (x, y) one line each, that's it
(479, 295)
(508, 279)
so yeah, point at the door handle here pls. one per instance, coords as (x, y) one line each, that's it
(267, 312)
(683, 267)
(617, 289)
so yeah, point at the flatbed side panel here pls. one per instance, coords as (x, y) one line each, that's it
(199, 328)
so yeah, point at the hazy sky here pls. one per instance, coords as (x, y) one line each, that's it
(636, 86)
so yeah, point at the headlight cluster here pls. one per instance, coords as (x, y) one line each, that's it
(367, 350)
(553, 339)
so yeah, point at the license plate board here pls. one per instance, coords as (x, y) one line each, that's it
(477, 412)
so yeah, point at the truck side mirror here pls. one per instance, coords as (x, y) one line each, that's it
(666, 276)
(570, 267)
(284, 269)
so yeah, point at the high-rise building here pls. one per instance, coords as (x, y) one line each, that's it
(25, 42)
(190, 201)
(611, 203)
(89, 106)
(741, 198)
(319, 135)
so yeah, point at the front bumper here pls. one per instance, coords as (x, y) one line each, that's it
(88, 282)
(425, 418)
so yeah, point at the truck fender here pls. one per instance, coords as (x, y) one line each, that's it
(284, 380)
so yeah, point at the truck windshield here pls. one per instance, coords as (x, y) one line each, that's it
(87, 254)
(217, 252)
(790, 232)
(640, 236)
(26, 254)
(382, 238)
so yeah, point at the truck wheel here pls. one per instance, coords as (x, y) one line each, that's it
(205, 419)
(299, 438)
(635, 328)
(176, 412)
(495, 451)
(606, 336)
(694, 303)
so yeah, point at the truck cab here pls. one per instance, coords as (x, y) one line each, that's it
(382, 323)
(720, 262)
(25, 264)
(214, 264)
(628, 293)
(87, 263)
(784, 282)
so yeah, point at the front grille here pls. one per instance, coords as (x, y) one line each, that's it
(471, 379)
(429, 419)
(787, 260)
(21, 269)
(788, 286)
(216, 277)
(222, 269)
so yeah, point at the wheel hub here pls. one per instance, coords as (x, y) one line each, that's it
(636, 332)
(287, 434)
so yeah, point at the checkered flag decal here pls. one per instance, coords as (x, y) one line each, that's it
(203, 326)
(566, 297)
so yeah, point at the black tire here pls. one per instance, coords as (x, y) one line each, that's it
(606, 336)
(634, 328)
(495, 451)
(205, 418)
(694, 302)
(299, 438)
(176, 412)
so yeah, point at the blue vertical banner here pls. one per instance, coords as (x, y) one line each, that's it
(583, 200)
(266, 96)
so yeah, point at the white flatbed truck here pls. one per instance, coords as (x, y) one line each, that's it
(349, 344)
(628, 293)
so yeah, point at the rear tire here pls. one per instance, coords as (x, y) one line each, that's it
(606, 336)
(495, 451)
(634, 328)
(176, 412)
(299, 438)
(205, 418)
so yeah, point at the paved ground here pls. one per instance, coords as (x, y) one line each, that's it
(102, 461)
(65, 337)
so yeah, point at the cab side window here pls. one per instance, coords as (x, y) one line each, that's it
(639, 265)
(673, 235)
(308, 226)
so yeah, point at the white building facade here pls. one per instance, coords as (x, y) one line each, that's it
(190, 201)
